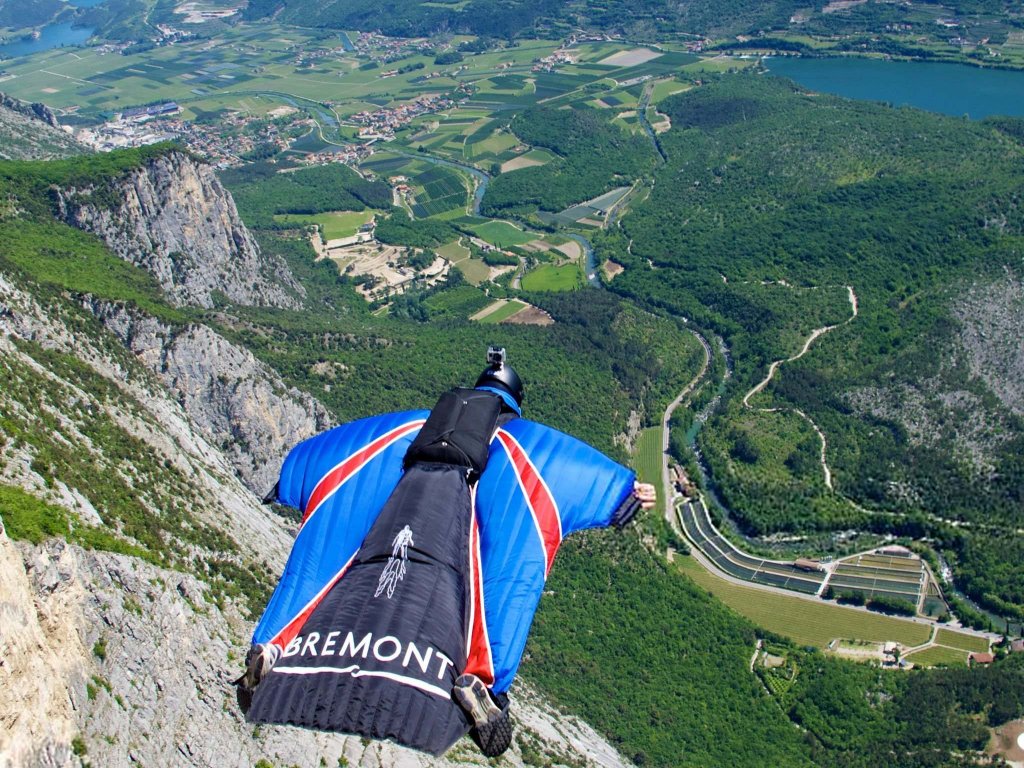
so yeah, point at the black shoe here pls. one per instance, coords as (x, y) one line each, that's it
(495, 738)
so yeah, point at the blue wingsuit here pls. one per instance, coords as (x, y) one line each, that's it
(403, 578)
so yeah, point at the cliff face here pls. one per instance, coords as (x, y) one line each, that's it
(31, 132)
(234, 400)
(130, 665)
(172, 217)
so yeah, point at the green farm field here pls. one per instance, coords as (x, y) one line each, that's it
(503, 313)
(805, 621)
(938, 655)
(568, 277)
(453, 251)
(501, 234)
(474, 270)
(961, 641)
(647, 460)
(334, 224)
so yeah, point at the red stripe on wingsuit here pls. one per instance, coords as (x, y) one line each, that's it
(538, 498)
(479, 661)
(336, 477)
(293, 627)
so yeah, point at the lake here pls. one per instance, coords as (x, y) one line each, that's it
(51, 36)
(951, 89)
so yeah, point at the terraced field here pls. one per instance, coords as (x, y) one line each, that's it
(697, 526)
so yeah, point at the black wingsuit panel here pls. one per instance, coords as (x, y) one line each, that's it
(428, 607)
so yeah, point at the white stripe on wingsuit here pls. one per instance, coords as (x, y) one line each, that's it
(355, 671)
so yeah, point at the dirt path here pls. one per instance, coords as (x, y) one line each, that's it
(803, 351)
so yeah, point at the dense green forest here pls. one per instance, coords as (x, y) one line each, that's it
(525, 17)
(771, 203)
(594, 156)
(260, 192)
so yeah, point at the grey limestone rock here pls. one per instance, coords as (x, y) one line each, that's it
(237, 402)
(172, 217)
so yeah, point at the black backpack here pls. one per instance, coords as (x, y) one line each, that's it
(458, 431)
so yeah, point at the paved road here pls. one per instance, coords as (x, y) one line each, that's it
(666, 481)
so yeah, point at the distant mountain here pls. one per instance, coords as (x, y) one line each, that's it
(509, 19)
(31, 132)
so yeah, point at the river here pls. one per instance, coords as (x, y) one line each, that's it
(951, 89)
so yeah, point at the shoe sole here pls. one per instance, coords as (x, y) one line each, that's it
(472, 696)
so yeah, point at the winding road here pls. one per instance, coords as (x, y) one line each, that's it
(666, 481)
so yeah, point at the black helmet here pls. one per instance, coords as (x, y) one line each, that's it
(501, 376)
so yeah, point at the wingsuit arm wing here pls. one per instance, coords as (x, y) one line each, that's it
(339, 480)
(539, 486)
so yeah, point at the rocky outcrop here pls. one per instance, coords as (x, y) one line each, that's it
(113, 661)
(991, 327)
(36, 110)
(31, 132)
(237, 402)
(172, 217)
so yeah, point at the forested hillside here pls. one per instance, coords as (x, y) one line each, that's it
(502, 19)
(775, 203)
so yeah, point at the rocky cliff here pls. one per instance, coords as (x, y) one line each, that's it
(113, 662)
(172, 217)
(236, 402)
(31, 132)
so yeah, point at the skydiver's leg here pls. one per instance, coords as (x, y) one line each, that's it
(258, 663)
(492, 729)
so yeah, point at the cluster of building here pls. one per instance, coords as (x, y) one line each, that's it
(382, 123)
(387, 49)
(561, 56)
(222, 144)
(350, 154)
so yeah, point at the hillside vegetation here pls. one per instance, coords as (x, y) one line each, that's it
(772, 202)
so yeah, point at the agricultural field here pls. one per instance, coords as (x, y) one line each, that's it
(567, 277)
(438, 190)
(666, 88)
(961, 641)
(501, 234)
(647, 460)
(938, 655)
(460, 302)
(804, 621)
(474, 270)
(454, 251)
(333, 225)
(502, 312)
